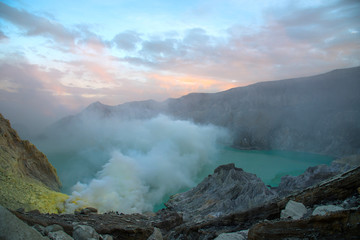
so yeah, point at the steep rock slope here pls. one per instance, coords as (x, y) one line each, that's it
(228, 190)
(27, 179)
(313, 114)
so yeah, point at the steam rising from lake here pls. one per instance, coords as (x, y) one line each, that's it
(138, 162)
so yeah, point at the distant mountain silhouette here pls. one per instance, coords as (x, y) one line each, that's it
(314, 114)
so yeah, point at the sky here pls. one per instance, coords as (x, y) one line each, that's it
(56, 57)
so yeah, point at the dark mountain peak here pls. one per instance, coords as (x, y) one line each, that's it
(95, 105)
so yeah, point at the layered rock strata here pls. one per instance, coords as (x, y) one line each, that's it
(338, 188)
(27, 178)
(207, 200)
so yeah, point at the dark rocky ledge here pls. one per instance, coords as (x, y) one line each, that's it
(263, 220)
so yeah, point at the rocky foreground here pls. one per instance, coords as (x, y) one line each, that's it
(322, 203)
(221, 207)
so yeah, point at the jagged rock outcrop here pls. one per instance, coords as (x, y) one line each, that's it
(27, 179)
(315, 175)
(339, 188)
(228, 190)
(337, 225)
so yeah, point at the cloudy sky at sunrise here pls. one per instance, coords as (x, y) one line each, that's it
(56, 57)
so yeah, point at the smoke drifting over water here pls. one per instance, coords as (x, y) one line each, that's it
(138, 162)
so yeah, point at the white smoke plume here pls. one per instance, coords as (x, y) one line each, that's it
(149, 160)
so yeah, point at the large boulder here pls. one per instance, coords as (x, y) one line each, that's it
(12, 228)
(228, 190)
(323, 210)
(293, 210)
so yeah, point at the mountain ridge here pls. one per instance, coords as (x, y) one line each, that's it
(313, 114)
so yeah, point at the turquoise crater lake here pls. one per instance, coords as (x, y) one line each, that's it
(271, 165)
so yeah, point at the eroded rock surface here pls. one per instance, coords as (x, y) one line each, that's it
(293, 210)
(342, 187)
(315, 175)
(337, 225)
(12, 228)
(228, 190)
(130, 226)
(27, 179)
(22, 158)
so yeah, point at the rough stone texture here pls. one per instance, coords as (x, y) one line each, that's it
(40, 229)
(12, 228)
(59, 235)
(120, 227)
(27, 179)
(228, 190)
(241, 235)
(337, 225)
(53, 228)
(293, 210)
(339, 188)
(156, 235)
(22, 158)
(107, 237)
(167, 219)
(88, 210)
(137, 226)
(83, 232)
(315, 175)
(323, 210)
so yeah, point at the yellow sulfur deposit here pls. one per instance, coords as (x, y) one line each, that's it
(29, 194)
(27, 179)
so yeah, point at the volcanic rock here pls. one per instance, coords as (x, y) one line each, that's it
(22, 158)
(339, 188)
(132, 226)
(228, 190)
(83, 232)
(315, 175)
(293, 210)
(156, 235)
(53, 228)
(323, 210)
(59, 235)
(12, 228)
(27, 179)
(241, 235)
(337, 225)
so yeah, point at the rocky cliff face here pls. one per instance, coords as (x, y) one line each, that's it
(311, 114)
(27, 178)
(207, 200)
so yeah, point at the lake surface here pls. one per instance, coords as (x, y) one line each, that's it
(271, 165)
